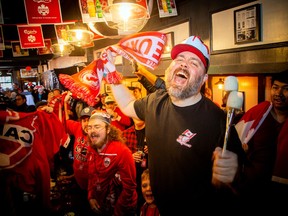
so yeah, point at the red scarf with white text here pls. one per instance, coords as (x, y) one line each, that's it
(144, 47)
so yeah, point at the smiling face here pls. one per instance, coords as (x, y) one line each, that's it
(279, 95)
(185, 76)
(146, 190)
(84, 124)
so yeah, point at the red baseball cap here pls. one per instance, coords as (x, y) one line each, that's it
(195, 45)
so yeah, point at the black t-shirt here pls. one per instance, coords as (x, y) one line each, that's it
(181, 141)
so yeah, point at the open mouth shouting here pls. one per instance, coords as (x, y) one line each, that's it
(181, 76)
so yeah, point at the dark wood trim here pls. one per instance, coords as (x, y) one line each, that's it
(256, 47)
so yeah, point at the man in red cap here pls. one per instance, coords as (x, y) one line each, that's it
(184, 133)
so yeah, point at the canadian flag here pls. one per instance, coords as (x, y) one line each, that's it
(249, 124)
(252, 120)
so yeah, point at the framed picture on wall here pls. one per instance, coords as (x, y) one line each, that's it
(247, 24)
(169, 45)
(46, 49)
(17, 51)
(28, 73)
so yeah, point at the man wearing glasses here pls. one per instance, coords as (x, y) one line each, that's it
(111, 169)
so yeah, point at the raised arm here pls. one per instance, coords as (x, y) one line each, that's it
(124, 99)
(144, 72)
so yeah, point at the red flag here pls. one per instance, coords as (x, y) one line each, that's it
(249, 124)
(251, 121)
(281, 165)
(85, 84)
(27, 150)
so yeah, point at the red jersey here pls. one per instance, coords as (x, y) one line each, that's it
(80, 165)
(28, 143)
(114, 160)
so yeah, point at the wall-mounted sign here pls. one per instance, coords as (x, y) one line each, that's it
(28, 73)
(167, 8)
(31, 36)
(43, 12)
(247, 24)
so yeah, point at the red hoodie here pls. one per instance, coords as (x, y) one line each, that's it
(110, 170)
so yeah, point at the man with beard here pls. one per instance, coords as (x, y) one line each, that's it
(112, 172)
(184, 132)
(263, 132)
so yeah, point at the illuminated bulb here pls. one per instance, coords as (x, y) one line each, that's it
(61, 46)
(220, 86)
(128, 18)
(125, 12)
(78, 34)
(168, 49)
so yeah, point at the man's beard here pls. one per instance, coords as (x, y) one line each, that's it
(186, 91)
(97, 144)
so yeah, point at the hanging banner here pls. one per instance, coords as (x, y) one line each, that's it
(167, 8)
(43, 11)
(46, 49)
(31, 36)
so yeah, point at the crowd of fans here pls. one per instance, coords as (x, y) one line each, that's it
(70, 163)
(175, 130)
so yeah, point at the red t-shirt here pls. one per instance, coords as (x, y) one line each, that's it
(108, 170)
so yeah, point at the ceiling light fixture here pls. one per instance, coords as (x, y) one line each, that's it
(79, 35)
(123, 16)
(62, 49)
